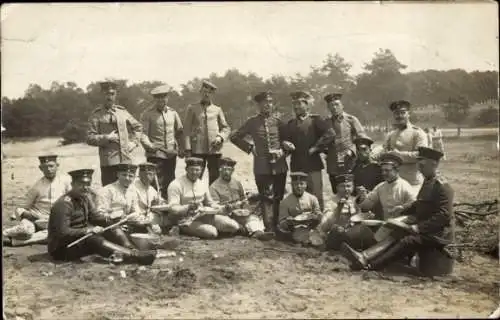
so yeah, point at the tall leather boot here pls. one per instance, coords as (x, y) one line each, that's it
(267, 209)
(362, 260)
(131, 255)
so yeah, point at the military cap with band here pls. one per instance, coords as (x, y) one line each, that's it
(147, 166)
(161, 91)
(301, 95)
(107, 86)
(428, 153)
(194, 161)
(83, 175)
(299, 175)
(208, 85)
(391, 158)
(333, 96)
(342, 178)
(226, 161)
(261, 96)
(400, 104)
(47, 158)
(126, 167)
(363, 141)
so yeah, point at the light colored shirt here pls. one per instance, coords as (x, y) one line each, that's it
(145, 196)
(114, 197)
(407, 141)
(292, 206)
(42, 195)
(182, 192)
(223, 191)
(390, 195)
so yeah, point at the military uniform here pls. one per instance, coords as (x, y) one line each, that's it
(162, 139)
(72, 216)
(267, 133)
(367, 175)
(432, 214)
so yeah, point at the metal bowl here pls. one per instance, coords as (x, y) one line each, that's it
(303, 217)
(145, 241)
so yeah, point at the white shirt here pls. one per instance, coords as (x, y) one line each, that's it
(115, 197)
(42, 195)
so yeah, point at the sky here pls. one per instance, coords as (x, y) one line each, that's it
(174, 43)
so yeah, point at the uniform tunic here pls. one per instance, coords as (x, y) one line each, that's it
(305, 133)
(367, 175)
(105, 120)
(44, 193)
(162, 129)
(202, 125)
(292, 206)
(390, 194)
(347, 127)
(267, 133)
(115, 197)
(70, 217)
(407, 141)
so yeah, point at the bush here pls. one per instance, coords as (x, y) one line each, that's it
(73, 133)
(487, 117)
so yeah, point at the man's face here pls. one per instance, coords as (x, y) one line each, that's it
(226, 172)
(49, 169)
(206, 94)
(161, 101)
(125, 178)
(363, 151)
(401, 116)
(266, 105)
(81, 187)
(345, 189)
(335, 107)
(300, 107)
(299, 187)
(147, 176)
(388, 172)
(110, 96)
(427, 167)
(193, 173)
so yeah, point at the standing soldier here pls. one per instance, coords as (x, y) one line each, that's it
(309, 134)
(404, 142)
(206, 130)
(162, 138)
(115, 131)
(342, 153)
(269, 165)
(367, 173)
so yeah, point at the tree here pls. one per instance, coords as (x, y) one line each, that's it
(456, 111)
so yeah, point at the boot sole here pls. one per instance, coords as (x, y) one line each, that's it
(347, 253)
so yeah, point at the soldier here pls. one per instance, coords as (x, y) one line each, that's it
(74, 215)
(189, 201)
(429, 227)
(394, 194)
(34, 214)
(309, 134)
(404, 142)
(115, 131)
(162, 138)
(296, 203)
(229, 192)
(269, 166)
(342, 153)
(367, 173)
(147, 196)
(206, 130)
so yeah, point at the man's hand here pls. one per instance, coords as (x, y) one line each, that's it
(156, 229)
(396, 210)
(112, 137)
(288, 146)
(192, 207)
(116, 214)
(313, 150)
(95, 230)
(414, 228)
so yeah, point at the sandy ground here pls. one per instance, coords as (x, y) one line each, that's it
(239, 277)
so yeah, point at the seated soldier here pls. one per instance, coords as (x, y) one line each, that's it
(299, 203)
(394, 194)
(190, 205)
(336, 226)
(74, 215)
(229, 192)
(119, 199)
(35, 212)
(147, 196)
(429, 224)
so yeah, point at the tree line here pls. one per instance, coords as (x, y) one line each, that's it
(63, 109)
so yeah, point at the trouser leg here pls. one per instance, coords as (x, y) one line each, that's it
(22, 231)
(108, 175)
(213, 167)
(331, 177)
(405, 247)
(166, 172)
(315, 186)
(200, 229)
(279, 182)
(119, 237)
